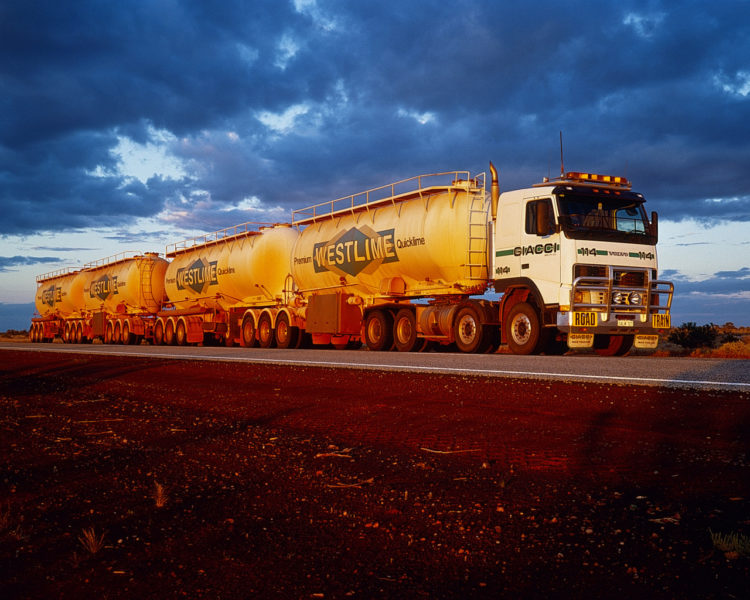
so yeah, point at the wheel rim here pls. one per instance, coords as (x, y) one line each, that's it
(404, 330)
(264, 331)
(467, 329)
(282, 331)
(375, 331)
(248, 332)
(521, 329)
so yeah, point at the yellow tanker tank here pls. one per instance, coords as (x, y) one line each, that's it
(126, 283)
(428, 241)
(60, 294)
(234, 267)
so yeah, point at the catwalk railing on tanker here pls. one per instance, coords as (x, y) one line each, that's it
(398, 191)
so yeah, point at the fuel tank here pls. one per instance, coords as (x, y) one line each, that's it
(430, 241)
(127, 283)
(60, 294)
(241, 266)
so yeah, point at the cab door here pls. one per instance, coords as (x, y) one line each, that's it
(539, 258)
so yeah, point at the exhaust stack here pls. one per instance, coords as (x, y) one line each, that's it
(494, 191)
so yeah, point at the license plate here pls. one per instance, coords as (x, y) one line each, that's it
(646, 341)
(625, 323)
(580, 340)
(661, 321)
(584, 319)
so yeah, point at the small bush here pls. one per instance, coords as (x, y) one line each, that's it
(90, 541)
(160, 495)
(736, 349)
(731, 543)
(691, 336)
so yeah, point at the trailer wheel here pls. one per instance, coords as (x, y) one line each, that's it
(169, 333)
(265, 331)
(247, 332)
(181, 335)
(286, 335)
(126, 337)
(613, 345)
(523, 329)
(405, 331)
(79, 334)
(468, 330)
(158, 336)
(379, 330)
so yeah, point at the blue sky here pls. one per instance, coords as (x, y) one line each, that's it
(131, 125)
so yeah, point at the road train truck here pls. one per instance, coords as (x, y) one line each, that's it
(432, 260)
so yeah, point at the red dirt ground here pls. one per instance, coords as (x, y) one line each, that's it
(286, 482)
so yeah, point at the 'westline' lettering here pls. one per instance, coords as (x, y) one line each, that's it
(197, 275)
(355, 251)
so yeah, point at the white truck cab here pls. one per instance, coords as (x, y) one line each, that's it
(575, 258)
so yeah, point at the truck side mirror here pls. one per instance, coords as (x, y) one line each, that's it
(542, 218)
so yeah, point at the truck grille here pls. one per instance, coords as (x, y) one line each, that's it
(607, 289)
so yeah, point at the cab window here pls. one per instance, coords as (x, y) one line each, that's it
(534, 209)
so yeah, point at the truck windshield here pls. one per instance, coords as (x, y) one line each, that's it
(589, 217)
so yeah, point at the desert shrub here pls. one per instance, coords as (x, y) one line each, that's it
(736, 349)
(734, 542)
(729, 337)
(689, 335)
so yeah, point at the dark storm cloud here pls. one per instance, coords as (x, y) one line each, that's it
(656, 91)
(8, 262)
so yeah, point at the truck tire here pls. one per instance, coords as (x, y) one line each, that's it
(159, 333)
(181, 334)
(127, 339)
(405, 331)
(286, 335)
(265, 332)
(523, 329)
(379, 330)
(613, 345)
(247, 333)
(468, 330)
(169, 333)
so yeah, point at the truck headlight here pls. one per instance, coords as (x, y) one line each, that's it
(634, 299)
(618, 298)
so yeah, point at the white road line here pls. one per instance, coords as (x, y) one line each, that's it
(447, 370)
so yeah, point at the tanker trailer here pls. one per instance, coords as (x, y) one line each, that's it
(362, 260)
(229, 285)
(59, 304)
(122, 294)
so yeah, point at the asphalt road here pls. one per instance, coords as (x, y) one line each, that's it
(631, 370)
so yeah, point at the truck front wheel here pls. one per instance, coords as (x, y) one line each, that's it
(523, 329)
